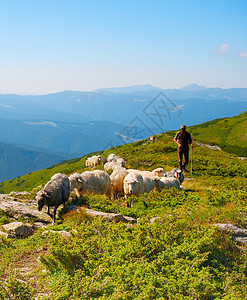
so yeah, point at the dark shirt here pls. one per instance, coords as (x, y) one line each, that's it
(184, 140)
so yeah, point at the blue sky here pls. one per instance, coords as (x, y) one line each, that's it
(49, 46)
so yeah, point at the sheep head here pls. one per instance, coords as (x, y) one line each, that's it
(41, 197)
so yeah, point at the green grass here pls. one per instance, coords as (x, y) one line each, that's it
(227, 133)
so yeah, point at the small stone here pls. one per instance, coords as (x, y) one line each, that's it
(63, 233)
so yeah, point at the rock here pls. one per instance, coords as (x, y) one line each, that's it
(239, 234)
(214, 148)
(40, 224)
(63, 233)
(19, 194)
(19, 229)
(153, 219)
(18, 210)
(110, 216)
(242, 158)
(8, 236)
(235, 230)
(240, 240)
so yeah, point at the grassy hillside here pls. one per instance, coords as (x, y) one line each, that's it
(182, 255)
(144, 155)
(228, 133)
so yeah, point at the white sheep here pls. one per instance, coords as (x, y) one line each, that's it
(149, 180)
(117, 178)
(111, 165)
(91, 182)
(172, 182)
(120, 161)
(93, 161)
(111, 157)
(159, 172)
(55, 192)
(114, 158)
(133, 184)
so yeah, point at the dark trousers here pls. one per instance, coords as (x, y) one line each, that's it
(183, 151)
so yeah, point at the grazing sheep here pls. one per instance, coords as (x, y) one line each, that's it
(150, 183)
(93, 161)
(55, 192)
(159, 172)
(111, 165)
(163, 182)
(149, 180)
(87, 162)
(91, 182)
(177, 173)
(117, 178)
(133, 184)
(120, 161)
(114, 158)
(111, 157)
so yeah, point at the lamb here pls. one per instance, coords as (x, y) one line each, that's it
(133, 184)
(93, 161)
(163, 182)
(91, 182)
(117, 178)
(177, 173)
(55, 192)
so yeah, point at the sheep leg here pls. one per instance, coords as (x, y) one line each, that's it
(48, 212)
(54, 214)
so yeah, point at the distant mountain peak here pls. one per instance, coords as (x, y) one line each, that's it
(193, 87)
(129, 89)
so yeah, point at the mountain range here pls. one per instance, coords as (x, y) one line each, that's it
(70, 124)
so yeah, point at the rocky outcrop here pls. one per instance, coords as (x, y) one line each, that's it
(18, 229)
(214, 148)
(110, 216)
(22, 209)
(239, 234)
(26, 208)
(7, 235)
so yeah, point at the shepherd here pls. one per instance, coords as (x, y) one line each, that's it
(183, 139)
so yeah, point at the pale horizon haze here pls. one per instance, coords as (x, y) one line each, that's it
(51, 46)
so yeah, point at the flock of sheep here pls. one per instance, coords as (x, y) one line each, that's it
(121, 181)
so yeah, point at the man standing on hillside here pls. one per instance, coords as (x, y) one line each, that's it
(182, 139)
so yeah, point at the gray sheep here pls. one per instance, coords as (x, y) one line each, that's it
(55, 193)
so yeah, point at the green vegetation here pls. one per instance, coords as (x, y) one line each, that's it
(181, 255)
(227, 133)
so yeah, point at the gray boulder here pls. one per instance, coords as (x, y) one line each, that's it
(19, 229)
(18, 209)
